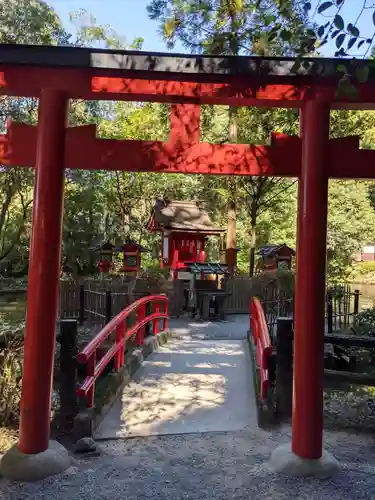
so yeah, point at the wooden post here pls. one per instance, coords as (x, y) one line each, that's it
(356, 301)
(192, 302)
(68, 371)
(81, 304)
(329, 313)
(155, 330)
(141, 316)
(91, 364)
(284, 367)
(108, 306)
(165, 321)
(120, 356)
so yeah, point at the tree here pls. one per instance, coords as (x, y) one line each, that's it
(31, 21)
(89, 33)
(232, 27)
(350, 225)
(346, 33)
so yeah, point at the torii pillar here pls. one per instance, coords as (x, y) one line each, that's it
(305, 456)
(35, 456)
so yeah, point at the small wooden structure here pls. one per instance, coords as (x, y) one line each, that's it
(131, 251)
(206, 297)
(184, 227)
(274, 257)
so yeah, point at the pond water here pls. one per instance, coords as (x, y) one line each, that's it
(13, 307)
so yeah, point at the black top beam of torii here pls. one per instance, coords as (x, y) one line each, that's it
(202, 68)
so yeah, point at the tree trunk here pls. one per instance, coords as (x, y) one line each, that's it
(231, 237)
(231, 252)
(252, 251)
(253, 236)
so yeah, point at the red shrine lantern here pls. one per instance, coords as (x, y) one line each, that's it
(104, 263)
(131, 251)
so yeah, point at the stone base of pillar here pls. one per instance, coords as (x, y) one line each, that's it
(17, 466)
(284, 461)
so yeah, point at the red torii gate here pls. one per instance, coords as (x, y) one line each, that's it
(57, 74)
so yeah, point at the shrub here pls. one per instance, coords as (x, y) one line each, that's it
(365, 322)
(361, 269)
(11, 363)
(280, 279)
(11, 359)
(152, 281)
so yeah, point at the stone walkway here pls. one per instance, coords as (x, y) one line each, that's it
(235, 328)
(187, 386)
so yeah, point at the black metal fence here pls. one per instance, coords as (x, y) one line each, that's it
(341, 306)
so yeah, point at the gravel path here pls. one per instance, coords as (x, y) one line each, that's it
(218, 466)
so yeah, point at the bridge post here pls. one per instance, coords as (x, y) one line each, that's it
(306, 455)
(42, 301)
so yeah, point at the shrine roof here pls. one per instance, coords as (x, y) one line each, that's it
(272, 250)
(187, 67)
(129, 245)
(183, 216)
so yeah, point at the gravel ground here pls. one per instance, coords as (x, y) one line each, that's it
(352, 408)
(203, 466)
(225, 465)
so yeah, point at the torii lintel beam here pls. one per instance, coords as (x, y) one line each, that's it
(83, 150)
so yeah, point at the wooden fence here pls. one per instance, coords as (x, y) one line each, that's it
(97, 302)
(241, 290)
(341, 307)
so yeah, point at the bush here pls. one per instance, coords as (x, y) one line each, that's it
(365, 322)
(361, 269)
(11, 363)
(281, 280)
(151, 281)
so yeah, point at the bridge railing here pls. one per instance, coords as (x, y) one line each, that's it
(263, 346)
(118, 325)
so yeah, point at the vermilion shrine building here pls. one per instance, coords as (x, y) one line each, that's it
(184, 227)
(57, 74)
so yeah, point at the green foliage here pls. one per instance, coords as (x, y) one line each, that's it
(114, 205)
(30, 21)
(350, 225)
(232, 27)
(363, 268)
(344, 31)
(365, 322)
(281, 280)
(11, 356)
(92, 34)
